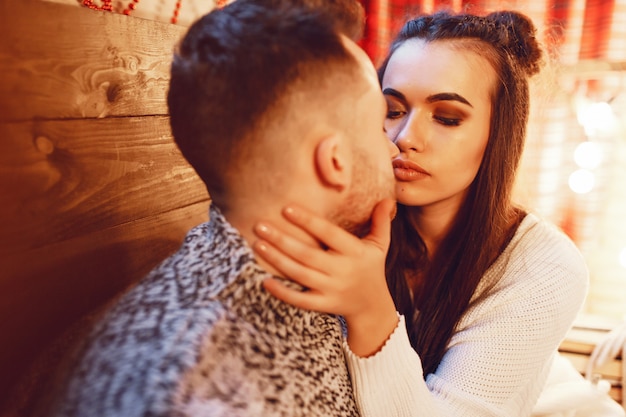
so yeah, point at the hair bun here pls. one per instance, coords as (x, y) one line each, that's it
(518, 38)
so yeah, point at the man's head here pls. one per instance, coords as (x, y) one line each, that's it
(348, 16)
(268, 100)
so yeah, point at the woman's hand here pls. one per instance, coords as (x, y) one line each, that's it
(348, 278)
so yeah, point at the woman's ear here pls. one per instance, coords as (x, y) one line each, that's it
(333, 162)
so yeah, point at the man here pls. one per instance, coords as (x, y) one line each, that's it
(270, 105)
(348, 16)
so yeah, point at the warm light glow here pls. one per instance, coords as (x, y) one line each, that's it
(581, 181)
(622, 258)
(587, 155)
(596, 118)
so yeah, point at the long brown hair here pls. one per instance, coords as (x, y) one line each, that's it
(487, 218)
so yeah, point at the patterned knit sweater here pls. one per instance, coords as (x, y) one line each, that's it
(500, 354)
(199, 336)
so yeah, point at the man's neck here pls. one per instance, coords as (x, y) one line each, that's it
(244, 220)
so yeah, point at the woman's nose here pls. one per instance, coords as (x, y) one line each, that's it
(411, 136)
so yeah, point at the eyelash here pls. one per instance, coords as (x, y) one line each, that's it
(395, 114)
(446, 121)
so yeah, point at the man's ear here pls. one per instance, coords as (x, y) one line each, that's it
(333, 162)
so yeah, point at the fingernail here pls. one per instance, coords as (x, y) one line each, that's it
(394, 211)
(291, 212)
(260, 246)
(262, 229)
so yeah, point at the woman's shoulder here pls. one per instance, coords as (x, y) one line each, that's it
(541, 251)
(542, 267)
(540, 239)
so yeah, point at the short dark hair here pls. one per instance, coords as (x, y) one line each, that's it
(348, 16)
(234, 69)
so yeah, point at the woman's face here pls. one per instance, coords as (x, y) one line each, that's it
(439, 110)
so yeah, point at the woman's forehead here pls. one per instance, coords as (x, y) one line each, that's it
(446, 65)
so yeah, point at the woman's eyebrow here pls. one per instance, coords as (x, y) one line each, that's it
(395, 93)
(430, 99)
(448, 97)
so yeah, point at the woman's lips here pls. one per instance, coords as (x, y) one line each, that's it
(408, 170)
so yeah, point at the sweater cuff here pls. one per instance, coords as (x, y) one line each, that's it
(388, 379)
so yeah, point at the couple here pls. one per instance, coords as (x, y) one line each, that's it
(273, 105)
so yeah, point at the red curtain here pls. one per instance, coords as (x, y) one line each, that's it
(385, 17)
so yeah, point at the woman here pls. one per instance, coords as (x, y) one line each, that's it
(484, 292)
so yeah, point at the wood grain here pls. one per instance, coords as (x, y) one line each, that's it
(93, 190)
(65, 178)
(60, 61)
(44, 290)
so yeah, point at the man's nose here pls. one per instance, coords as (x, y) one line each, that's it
(393, 149)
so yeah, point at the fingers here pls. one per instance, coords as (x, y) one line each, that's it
(331, 235)
(305, 300)
(284, 247)
(288, 264)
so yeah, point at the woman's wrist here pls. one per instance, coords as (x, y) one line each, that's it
(368, 331)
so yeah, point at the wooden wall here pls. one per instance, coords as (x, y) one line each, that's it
(93, 191)
(159, 10)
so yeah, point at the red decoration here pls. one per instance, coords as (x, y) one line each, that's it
(176, 10)
(107, 6)
(131, 6)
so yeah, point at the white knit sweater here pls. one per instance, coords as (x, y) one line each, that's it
(500, 354)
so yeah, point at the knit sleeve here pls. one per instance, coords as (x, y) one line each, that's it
(500, 354)
(398, 370)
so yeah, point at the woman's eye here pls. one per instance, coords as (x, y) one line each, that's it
(394, 114)
(447, 121)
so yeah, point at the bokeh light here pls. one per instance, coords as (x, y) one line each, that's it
(581, 181)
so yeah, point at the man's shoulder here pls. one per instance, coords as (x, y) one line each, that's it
(137, 351)
(132, 361)
(200, 332)
(173, 305)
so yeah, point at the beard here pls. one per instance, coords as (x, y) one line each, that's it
(369, 186)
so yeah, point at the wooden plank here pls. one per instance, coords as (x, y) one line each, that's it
(611, 370)
(63, 61)
(585, 335)
(62, 179)
(616, 393)
(582, 340)
(50, 287)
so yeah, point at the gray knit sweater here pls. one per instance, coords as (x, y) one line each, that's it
(199, 336)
